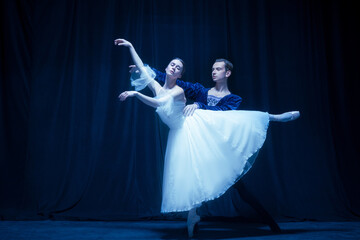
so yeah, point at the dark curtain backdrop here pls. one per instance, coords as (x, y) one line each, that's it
(70, 150)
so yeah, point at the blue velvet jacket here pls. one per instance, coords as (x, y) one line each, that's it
(199, 94)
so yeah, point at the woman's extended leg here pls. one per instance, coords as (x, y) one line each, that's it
(285, 117)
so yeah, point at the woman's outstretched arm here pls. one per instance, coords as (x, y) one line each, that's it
(153, 102)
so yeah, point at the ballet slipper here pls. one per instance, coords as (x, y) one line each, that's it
(294, 115)
(192, 222)
(285, 117)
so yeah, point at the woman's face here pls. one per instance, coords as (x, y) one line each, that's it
(174, 69)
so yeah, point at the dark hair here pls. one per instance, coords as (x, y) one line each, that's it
(183, 63)
(228, 64)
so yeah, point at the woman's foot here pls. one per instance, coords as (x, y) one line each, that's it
(285, 117)
(192, 222)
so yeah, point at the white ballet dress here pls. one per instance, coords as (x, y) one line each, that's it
(207, 153)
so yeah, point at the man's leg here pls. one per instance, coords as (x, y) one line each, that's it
(256, 205)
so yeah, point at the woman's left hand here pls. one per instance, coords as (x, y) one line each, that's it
(123, 96)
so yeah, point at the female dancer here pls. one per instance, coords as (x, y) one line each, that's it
(207, 152)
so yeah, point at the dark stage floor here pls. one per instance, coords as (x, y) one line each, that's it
(13, 230)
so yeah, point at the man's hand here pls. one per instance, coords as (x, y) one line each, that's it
(190, 109)
(133, 68)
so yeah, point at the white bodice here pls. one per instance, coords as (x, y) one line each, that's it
(172, 113)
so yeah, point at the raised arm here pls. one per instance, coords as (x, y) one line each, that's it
(154, 86)
(135, 57)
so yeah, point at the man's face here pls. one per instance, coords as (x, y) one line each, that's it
(174, 68)
(219, 72)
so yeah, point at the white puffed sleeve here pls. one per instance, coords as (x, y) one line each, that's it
(140, 79)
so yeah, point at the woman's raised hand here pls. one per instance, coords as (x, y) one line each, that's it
(123, 96)
(134, 55)
(122, 42)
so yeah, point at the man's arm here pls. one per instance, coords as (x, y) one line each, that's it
(192, 90)
(160, 76)
(231, 103)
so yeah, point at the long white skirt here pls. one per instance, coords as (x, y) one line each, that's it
(208, 154)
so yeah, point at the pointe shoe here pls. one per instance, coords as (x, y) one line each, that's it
(288, 116)
(294, 115)
(192, 222)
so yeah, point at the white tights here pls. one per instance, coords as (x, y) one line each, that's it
(284, 117)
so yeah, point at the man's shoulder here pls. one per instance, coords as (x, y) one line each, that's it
(191, 85)
(234, 97)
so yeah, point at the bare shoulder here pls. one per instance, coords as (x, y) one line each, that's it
(179, 89)
(178, 93)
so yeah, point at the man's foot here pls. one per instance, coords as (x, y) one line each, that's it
(274, 226)
(192, 222)
(247, 196)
